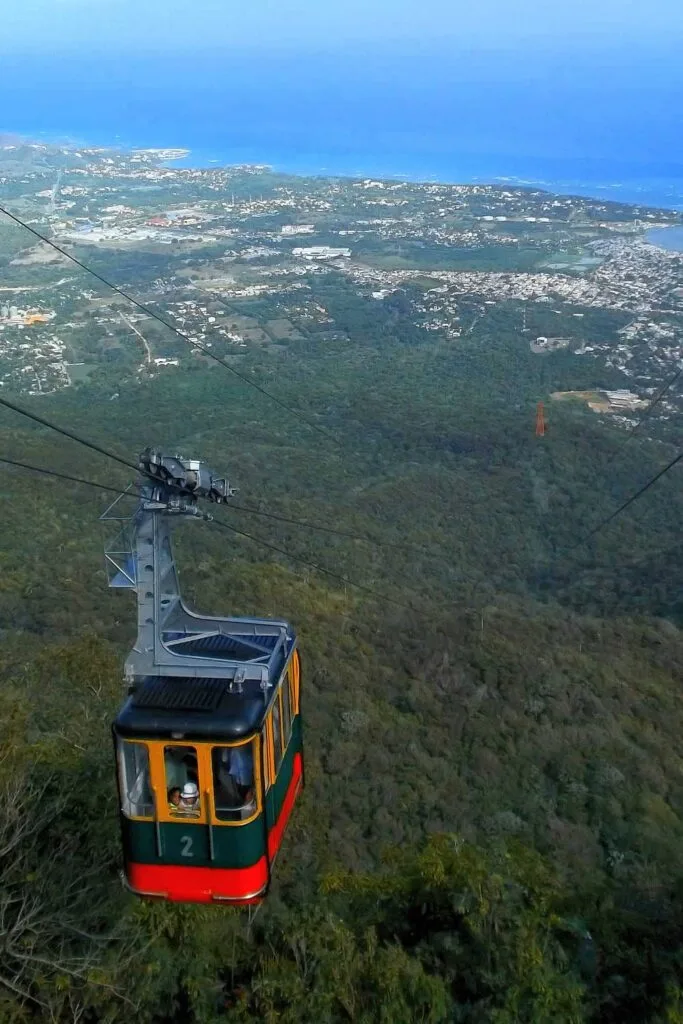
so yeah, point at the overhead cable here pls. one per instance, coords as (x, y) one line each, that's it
(653, 404)
(313, 565)
(61, 476)
(234, 507)
(226, 526)
(238, 508)
(68, 433)
(629, 501)
(230, 506)
(172, 327)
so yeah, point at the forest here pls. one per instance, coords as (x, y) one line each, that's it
(493, 815)
(492, 820)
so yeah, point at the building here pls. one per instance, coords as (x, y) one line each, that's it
(320, 252)
(287, 230)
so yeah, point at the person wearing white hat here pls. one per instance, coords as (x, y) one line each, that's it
(189, 801)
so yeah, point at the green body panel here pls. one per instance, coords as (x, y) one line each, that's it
(276, 794)
(234, 846)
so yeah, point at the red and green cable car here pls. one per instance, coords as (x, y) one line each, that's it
(209, 742)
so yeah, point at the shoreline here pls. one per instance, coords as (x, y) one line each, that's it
(660, 236)
(652, 193)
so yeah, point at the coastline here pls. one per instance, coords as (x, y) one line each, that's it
(670, 238)
(661, 193)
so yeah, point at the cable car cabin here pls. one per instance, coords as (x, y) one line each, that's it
(209, 741)
(208, 776)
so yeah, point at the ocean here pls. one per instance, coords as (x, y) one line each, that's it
(582, 123)
(667, 238)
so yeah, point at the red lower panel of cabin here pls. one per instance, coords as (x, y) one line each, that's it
(198, 885)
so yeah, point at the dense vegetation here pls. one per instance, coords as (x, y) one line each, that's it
(492, 825)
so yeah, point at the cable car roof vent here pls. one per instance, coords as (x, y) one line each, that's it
(180, 695)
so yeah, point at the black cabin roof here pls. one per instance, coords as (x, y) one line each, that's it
(201, 709)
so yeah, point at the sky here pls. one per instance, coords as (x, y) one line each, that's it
(30, 26)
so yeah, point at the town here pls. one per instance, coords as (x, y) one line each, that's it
(243, 260)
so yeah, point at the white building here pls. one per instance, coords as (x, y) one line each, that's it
(320, 252)
(297, 229)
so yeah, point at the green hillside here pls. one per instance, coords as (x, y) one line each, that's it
(493, 817)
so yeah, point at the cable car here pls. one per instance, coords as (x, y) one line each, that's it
(209, 741)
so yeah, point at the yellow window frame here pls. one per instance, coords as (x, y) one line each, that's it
(119, 750)
(283, 745)
(270, 738)
(286, 684)
(294, 673)
(157, 781)
(269, 747)
(258, 789)
(158, 773)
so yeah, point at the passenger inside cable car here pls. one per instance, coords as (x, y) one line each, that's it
(188, 806)
(233, 781)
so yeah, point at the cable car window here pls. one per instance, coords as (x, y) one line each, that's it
(136, 792)
(277, 734)
(182, 781)
(286, 711)
(294, 673)
(267, 754)
(234, 792)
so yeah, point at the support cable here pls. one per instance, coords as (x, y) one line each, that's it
(167, 323)
(234, 507)
(68, 433)
(226, 526)
(63, 476)
(314, 565)
(624, 505)
(228, 506)
(653, 404)
(238, 508)
(130, 465)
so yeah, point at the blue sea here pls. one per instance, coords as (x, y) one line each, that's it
(601, 124)
(667, 238)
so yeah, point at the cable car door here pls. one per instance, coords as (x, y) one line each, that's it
(184, 805)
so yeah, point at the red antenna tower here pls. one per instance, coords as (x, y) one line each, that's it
(540, 420)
